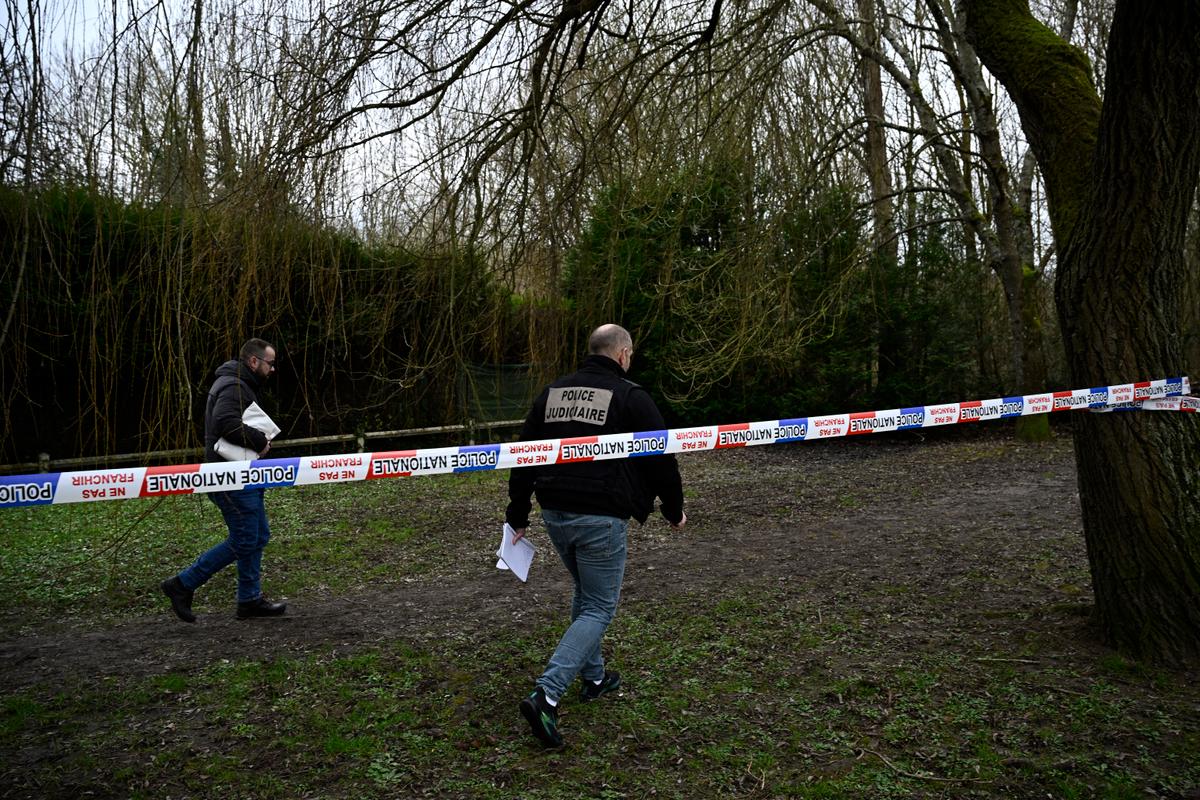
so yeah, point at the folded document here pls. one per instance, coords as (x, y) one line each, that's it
(256, 418)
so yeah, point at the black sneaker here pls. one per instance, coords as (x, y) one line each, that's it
(592, 690)
(180, 597)
(542, 717)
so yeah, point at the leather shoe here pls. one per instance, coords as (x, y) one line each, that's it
(180, 597)
(262, 607)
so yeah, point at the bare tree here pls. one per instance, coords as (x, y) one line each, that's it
(22, 137)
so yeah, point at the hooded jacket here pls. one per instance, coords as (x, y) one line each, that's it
(235, 388)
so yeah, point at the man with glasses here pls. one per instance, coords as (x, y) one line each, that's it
(235, 388)
(586, 507)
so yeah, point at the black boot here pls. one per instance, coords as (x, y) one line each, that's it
(262, 607)
(181, 598)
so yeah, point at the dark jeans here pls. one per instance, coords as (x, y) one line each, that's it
(245, 514)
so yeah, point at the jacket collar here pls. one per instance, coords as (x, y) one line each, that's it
(605, 363)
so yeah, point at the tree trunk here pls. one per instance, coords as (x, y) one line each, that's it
(1033, 427)
(883, 236)
(194, 157)
(1120, 183)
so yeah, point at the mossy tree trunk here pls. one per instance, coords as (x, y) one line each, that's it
(1120, 179)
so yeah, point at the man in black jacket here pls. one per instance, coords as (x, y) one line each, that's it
(586, 507)
(234, 389)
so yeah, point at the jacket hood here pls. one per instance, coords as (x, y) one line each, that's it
(238, 369)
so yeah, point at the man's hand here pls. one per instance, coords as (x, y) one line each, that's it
(679, 525)
(518, 534)
(265, 450)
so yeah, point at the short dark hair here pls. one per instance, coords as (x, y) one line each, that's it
(256, 348)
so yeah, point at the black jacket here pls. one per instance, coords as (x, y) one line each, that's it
(596, 400)
(235, 388)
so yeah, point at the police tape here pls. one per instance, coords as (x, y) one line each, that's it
(1167, 394)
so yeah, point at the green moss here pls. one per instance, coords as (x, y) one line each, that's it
(1051, 82)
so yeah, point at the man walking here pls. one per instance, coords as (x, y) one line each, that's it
(586, 508)
(235, 388)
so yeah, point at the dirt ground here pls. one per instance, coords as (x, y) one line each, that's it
(960, 542)
(984, 514)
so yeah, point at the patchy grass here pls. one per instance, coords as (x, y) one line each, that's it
(718, 700)
(839, 636)
(105, 560)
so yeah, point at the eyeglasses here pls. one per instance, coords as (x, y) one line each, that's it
(270, 363)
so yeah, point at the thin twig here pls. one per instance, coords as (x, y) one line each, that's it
(762, 779)
(1060, 689)
(914, 775)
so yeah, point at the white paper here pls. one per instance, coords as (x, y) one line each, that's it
(256, 418)
(233, 452)
(515, 556)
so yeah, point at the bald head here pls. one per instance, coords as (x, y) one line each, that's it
(609, 340)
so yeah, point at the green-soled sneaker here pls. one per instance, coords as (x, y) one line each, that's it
(542, 717)
(592, 691)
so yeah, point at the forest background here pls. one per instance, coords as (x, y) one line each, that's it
(796, 208)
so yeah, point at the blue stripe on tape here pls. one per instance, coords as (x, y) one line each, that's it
(911, 418)
(795, 429)
(1008, 402)
(270, 473)
(475, 457)
(27, 490)
(648, 443)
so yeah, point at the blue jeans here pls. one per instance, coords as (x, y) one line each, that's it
(246, 516)
(593, 549)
